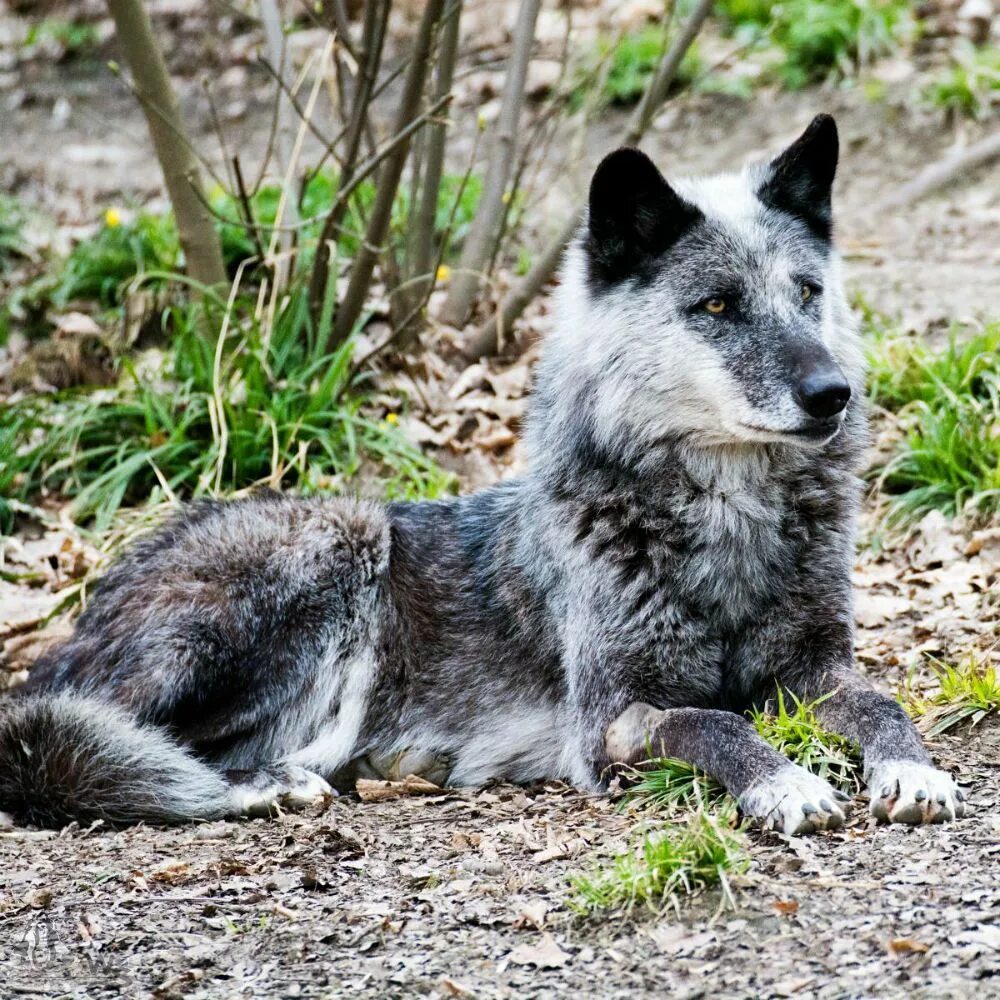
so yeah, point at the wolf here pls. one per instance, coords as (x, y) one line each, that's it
(678, 549)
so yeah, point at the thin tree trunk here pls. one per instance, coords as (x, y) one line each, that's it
(422, 239)
(370, 58)
(482, 234)
(284, 138)
(350, 308)
(484, 340)
(198, 238)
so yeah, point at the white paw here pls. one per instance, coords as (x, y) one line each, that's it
(288, 787)
(794, 801)
(904, 792)
(6, 821)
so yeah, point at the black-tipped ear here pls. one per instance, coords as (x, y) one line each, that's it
(635, 215)
(801, 177)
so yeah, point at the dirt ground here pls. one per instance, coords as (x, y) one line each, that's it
(464, 894)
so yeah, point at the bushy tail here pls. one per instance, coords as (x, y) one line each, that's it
(65, 757)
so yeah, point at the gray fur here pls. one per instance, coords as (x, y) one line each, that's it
(682, 539)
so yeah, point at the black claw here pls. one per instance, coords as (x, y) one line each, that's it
(824, 804)
(920, 795)
(808, 809)
(942, 798)
(886, 791)
(842, 796)
(960, 795)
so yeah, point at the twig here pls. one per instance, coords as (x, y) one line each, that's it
(940, 173)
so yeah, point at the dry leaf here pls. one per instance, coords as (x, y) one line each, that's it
(454, 989)
(907, 946)
(544, 955)
(786, 906)
(532, 915)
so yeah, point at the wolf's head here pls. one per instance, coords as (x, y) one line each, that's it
(709, 310)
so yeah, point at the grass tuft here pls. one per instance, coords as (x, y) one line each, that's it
(971, 84)
(947, 403)
(666, 863)
(670, 785)
(821, 39)
(260, 406)
(797, 733)
(965, 692)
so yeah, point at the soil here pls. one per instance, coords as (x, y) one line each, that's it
(466, 893)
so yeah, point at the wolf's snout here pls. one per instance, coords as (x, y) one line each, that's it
(824, 394)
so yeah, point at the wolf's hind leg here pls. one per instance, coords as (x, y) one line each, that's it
(264, 791)
(767, 786)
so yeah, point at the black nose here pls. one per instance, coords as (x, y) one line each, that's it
(824, 393)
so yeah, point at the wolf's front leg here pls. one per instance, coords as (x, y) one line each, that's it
(768, 786)
(904, 785)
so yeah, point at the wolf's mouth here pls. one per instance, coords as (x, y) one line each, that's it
(816, 430)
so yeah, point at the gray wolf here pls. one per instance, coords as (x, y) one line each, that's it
(679, 547)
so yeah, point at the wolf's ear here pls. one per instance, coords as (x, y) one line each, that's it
(801, 178)
(634, 215)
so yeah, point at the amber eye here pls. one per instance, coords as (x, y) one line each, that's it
(715, 306)
(807, 293)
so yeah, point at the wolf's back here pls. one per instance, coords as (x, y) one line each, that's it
(65, 757)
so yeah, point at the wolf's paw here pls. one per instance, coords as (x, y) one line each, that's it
(794, 801)
(904, 792)
(265, 792)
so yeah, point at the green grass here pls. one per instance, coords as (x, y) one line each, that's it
(666, 863)
(99, 268)
(13, 217)
(816, 40)
(260, 406)
(629, 63)
(75, 39)
(670, 785)
(970, 86)
(947, 403)
(797, 733)
(966, 692)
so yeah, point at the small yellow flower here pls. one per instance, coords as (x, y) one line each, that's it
(392, 418)
(443, 272)
(112, 218)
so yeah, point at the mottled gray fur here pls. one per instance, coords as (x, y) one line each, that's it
(680, 544)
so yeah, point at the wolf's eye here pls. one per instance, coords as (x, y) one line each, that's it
(715, 306)
(807, 293)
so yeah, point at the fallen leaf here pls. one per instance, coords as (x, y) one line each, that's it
(907, 946)
(532, 915)
(544, 955)
(786, 906)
